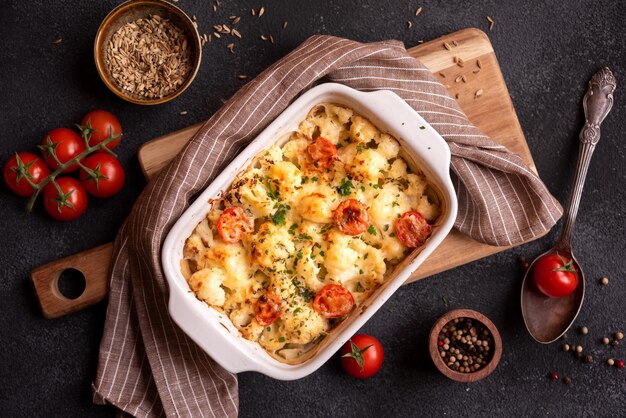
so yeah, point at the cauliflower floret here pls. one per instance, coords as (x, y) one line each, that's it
(368, 164)
(362, 130)
(392, 248)
(389, 203)
(250, 191)
(388, 147)
(302, 325)
(242, 316)
(206, 283)
(308, 269)
(340, 260)
(271, 246)
(233, 259)
(398, 169)
(287, 177)
(296, 151)
(318, 206)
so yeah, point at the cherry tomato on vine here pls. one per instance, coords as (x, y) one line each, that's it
(323, 152)
(267, 309)
(65, 144)
(233, 223)
(103, 124)
(21, 165)
(362, 356)
(67, 203)
(106, 177)
(333, 301)
(351, 217)
(412, 229)
(555, 276)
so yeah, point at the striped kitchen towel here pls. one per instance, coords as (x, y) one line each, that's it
(147, 365)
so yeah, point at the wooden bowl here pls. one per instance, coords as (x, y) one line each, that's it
(443, 367)
(130, 11)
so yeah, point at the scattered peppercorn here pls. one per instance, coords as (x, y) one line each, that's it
(604, 281)
(566, 347)
(610, 362)
(567, 380)
(553, 376)
(579, 348)
(619, 364)
(615, 343)
(588, 358)
(564, 336)
(619, 336)
(525, 266)
(606, 341)
(584, 330)
(467, 345)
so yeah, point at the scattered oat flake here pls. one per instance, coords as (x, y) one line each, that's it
(57, 41)
(242, 76)
(458, 79)
(231, 47)
(447, 46)
(217, 35)
(476, 71)
(264, 38)
(183, 113)
(479, 64)
(478, 93)
(442, 75)
(271, 39)
(194, 18)
(463, 79)
(285, 23)
(232, 17)
(456, 96)
(253, 12)
(236, 20)
(418, 11)
(421, 41)
(261, 11)
(409, 24)
(236, 33)
(215, 8)
(491, 22)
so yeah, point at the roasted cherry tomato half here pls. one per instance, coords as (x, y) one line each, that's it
(555, 275)
(233, 223)
(323, 152)
(67, 203)
(362, 356)
(333, 301)
(21, 165)
(107, 175)
(267, 309)
(103, 124)
(351, 217)
(412, 229)
(65, 144)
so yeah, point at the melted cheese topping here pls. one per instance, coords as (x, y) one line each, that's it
(295, 248)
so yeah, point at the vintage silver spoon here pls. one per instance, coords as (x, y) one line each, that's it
(548, 318)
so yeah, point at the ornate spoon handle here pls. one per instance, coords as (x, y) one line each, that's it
(597, 103)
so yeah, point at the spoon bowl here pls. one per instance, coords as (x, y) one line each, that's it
(548, 318)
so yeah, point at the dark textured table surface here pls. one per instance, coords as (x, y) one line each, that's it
(547, 51)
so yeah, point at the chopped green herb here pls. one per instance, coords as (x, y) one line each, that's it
(304, 179)
(422, 127)
(372, 230)
(278, 218)
(360, 271)
(360, 148)
(281, 340)
(292, 229)
(393, 234)
(365, 256)
(376, 186)
(362, 188)
(289, 271)
(272, 192)
(299, 254)
(359, 287)
(268, 329)
(386, 227)
(322, 253)
(297, 310)
(314, 179)
(305, 236)
(345, 188)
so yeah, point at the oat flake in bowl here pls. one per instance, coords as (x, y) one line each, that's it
(150, 57)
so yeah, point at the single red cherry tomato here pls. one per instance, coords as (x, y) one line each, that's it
(67, 203)
(103, 124)
(323, 152)
(107, 176)
(21, 165)
(555, 276)
(351, 217)
(267, 309)
(333, 301)
(412, 229)
(362, 356)
(65, 144)
(233, 223)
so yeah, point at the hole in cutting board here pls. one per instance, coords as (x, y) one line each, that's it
(71, 283)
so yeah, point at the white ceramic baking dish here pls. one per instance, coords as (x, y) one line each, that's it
(211, 329)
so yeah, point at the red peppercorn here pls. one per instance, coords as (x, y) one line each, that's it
(525, 266)
(554, 376)
(440, 343)
(619, 364)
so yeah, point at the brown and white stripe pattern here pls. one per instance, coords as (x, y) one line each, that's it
(147, 366)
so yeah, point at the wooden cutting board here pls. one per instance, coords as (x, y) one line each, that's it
(477, 84)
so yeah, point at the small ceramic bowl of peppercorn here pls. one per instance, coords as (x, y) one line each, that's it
(465, 345)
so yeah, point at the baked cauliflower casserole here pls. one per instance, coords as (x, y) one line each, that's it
(309, 230)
